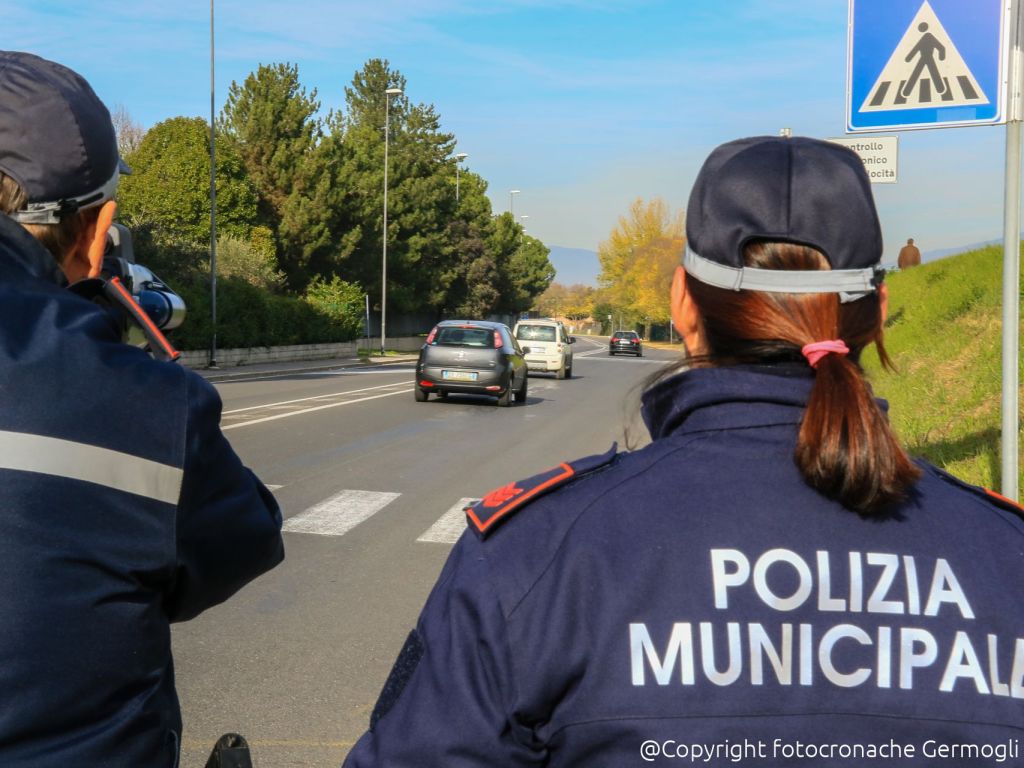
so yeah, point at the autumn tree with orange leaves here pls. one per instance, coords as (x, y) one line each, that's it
(638, 260)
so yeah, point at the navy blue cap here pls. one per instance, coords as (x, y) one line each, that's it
(795, 190)
(56, 138)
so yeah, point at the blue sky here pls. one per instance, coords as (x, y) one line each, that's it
(583, 105)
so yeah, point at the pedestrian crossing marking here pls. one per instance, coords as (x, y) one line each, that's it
(925, 71)
(337, 515)
(450, 525)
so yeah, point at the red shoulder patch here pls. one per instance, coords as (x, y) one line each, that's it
(499, 503)
(499, 496)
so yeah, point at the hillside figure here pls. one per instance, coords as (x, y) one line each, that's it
(910, 255)
(926, 48)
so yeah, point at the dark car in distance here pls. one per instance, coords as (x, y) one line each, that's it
(626, 342)
(473, 357)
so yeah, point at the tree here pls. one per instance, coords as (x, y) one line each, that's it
(251, 259)
(271, 122)
(638, 259)
(421, 199)
(575, 302)
(129, 133)
(168, 193)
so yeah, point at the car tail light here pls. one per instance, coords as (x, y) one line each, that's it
(636, 341)
(493, 389)
(615, 338)
(558, 347)
(433, 333)
(497, 340)
(425, 383)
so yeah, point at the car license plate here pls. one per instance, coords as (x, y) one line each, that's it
(459, 375)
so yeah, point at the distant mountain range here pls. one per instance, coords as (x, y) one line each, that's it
(574, 265)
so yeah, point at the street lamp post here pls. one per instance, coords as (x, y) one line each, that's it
(213, 209)
(458, 159)
(384, 259)
(511, 203)
(523, 219)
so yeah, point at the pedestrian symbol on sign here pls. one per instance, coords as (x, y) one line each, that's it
(925, 71)
(926, 48)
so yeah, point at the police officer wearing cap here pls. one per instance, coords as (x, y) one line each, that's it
(772, 581)
(122, 506)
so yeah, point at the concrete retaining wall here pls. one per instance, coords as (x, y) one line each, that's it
(227, 358)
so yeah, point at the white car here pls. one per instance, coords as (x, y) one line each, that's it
(550, 346)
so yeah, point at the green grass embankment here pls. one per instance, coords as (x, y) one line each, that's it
(944, 336)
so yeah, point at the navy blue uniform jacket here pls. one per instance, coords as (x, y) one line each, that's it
(696, 602)
(122, 508)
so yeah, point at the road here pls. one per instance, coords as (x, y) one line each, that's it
(372, 485)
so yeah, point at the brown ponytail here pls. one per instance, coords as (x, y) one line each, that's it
(846, 448)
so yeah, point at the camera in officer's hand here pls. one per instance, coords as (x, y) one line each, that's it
(142, 304)
(163, 307)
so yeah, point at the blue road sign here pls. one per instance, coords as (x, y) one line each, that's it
(926, 64)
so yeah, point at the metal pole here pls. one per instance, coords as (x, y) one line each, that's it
(213, 208)
(384, 269)
(1011, 270)
(368, 342)
(456, 181)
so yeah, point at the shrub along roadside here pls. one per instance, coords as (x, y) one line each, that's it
(248, 316)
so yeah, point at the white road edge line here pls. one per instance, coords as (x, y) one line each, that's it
(450, 525)
(310, 410)
(340, 513)
(314, 397)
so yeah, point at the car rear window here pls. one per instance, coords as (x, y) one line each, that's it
(449, 336)
(626, 334)
(536, 333)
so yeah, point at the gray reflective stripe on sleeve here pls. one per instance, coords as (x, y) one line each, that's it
(853, 284)
(80, 461)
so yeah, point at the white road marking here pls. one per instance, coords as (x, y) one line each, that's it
(340, 513)
(306, 399)
(635, 359)
(274, 487)
(406, 369)
(450, 525)
(311, 410)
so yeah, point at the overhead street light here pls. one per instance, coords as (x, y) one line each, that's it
(458, 159)
(384, 259)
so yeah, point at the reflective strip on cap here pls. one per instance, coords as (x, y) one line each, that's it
(90, 463)
(851, 284)
(53, 212)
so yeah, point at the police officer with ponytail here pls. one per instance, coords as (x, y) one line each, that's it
(772, 581)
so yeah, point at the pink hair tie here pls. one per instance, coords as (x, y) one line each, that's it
(814, 352)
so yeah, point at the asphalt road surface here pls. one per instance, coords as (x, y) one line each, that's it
(372, 485)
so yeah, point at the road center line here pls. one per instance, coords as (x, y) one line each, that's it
(310, 410)
(314, 397)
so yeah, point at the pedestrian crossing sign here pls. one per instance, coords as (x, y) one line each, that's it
(926, 63)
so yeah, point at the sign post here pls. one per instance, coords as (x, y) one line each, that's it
(918, 64)
(1011, 268)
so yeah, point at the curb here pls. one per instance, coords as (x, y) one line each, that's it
(214, 375)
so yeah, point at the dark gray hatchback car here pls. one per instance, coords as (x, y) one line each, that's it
(474, 357)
